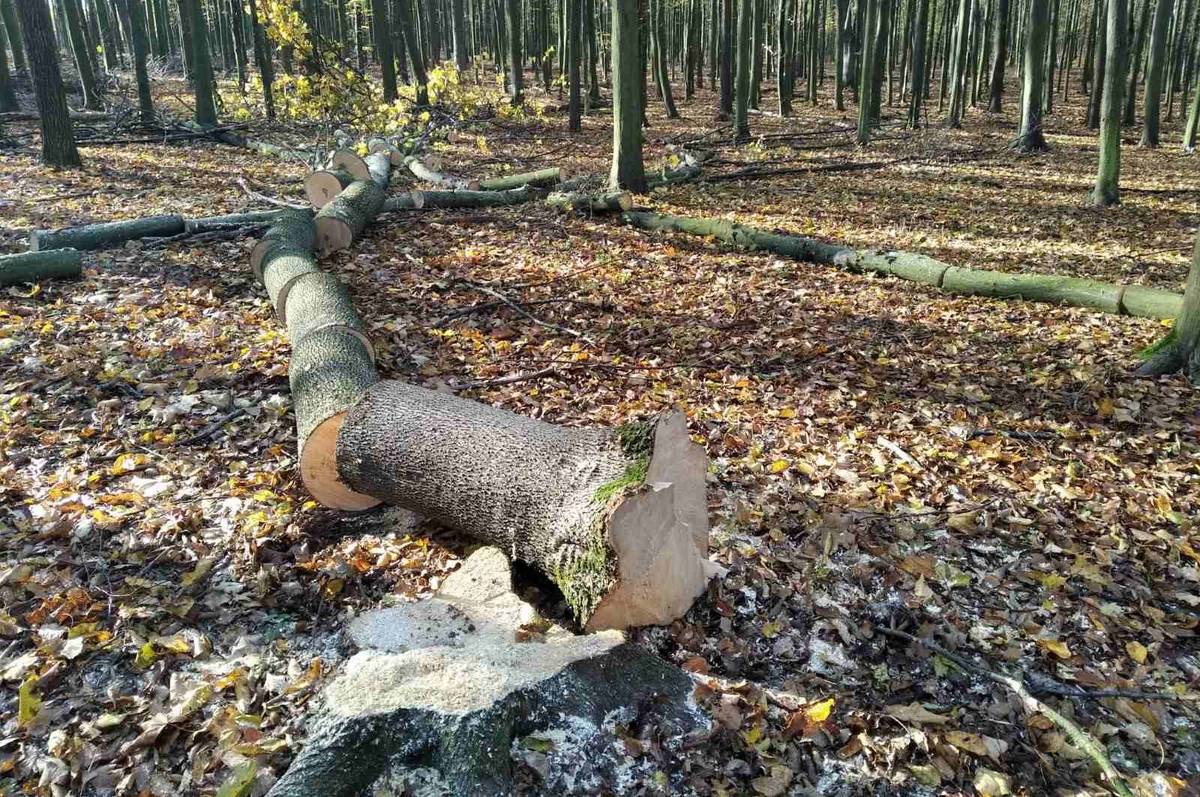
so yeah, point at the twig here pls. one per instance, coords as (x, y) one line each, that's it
(516, 308)
(1081, 738)
(214, 427)
(241, 181)
(508, 380)
(483, 306)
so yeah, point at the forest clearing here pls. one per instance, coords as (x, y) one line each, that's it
(407, 440)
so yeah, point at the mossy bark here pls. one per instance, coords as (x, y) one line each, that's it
(34, 266)
(541, 177)
(94, 236)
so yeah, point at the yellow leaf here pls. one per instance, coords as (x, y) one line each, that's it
(787, 412)
(1055, 646)
(780, 465)
(28, 703)
(820, 711)
(145, 656)
(1137, 651)
(198, 572)
(1105, 407)
(771, 630)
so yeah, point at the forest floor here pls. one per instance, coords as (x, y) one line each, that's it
(884, 456)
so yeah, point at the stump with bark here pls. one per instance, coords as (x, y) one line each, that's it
(444, 692)
(1180, 350)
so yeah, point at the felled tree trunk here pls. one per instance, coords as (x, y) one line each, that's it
(429, 170)
(616, 518)
(215, 223)
(450, 684)
(612, 202)
(322, 186)
(94, 236)
(459, 199)
(34, 266)
(542, 177)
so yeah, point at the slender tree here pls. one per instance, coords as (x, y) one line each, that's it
(411, 43)
(1154, 72)
(662, 74)
(83, 54)
(1099, 67)
(462, 43)
(1193, 120)
(744, 63)
(958, 66)
(1108, 173)
(785, 55)
(202, 74)
(1033, 100)
(8, 95)
(14, 34)
(515, 50)
(999, 55)
(866, 70)
(266, 67)
(725, 58)
(574, 23)
(41, 49)
(627, 169)
(917, 81)
(141, 46)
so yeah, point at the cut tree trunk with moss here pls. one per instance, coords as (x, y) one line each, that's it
(1108, 297)
(1051, 288)
(1180, 350)
(322, 186)
(454, 684)
(292, 232)
(429, 170)
(34, 266)
(347, 160)
(616, 518)
(611, 202)
(94, 236)
(344, 219)
(542, 177)
(460, 199)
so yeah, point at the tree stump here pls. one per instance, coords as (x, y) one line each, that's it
(444, 692)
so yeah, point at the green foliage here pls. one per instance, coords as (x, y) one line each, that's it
(586, 576)
(1154, 348)
(634, 476)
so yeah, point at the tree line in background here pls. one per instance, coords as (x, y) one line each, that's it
(930, 59)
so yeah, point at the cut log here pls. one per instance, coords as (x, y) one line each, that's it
(681, 174)
(294, 230)
(1036, 287)
(344, 219)
(389, 148)
(232, 220)
(460, 199)
(34, 266)
(379, 167)
(1151, 302)
(94, 236)
(347, 160)
(282, 266)
(615, 518)
(614, 201)
(905, 265)
(429, 170)
(331, 369)
(542, 177)
(321, 187)
(739, 235)
(451, 685)
(318, 300)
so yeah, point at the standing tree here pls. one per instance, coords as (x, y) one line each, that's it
(741, 89)
(1193, 120)
(83, 55)
(662, 73)
(723, 27)
(515, 58)
(462, 46)
(383, 48)
(14, 34)
(416, 59)
(8, 96)
(58, 140)
(917, 81)
(1180, 350)
(1033, 90)
(202, 74)
(266, 67)
(1134, 64)
(574, 21)
(866, 69)
(137, 32)
(999, 55)
(1154, 72)
(785, 55)
(1108, 173)
(627, 169)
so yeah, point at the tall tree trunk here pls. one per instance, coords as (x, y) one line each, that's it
(15, 39)
(1134, 65)
(1181, 350)
(141, 47)
(1099, 67)
(574, 21)
(383, 48)
(744, 61)
(266, 68)
(917, 83)
(83, 56)
(58, 138)
(726, 57)
(1033, 102)
(1154, 72)
(238, 23)
(662, 75)
(1193, 121)
(1108, 173)
(202, 75)
(785, 57)
(841, 52)
(408, 37)
(958, 63)
(8, 95)
(515, 52)
(866, 69)
(999, 56)
(628, 171)
(462, 45)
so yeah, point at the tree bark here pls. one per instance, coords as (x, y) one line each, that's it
(141, 47)
(741, 89)
(516, 70)
(999, 56)
(627, 168)
(1033, 101)
(1180, 351)
(94, 236)
(383, 48)
(83, 55)
(202, 74)
(1108, 174)
(1154, 72)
